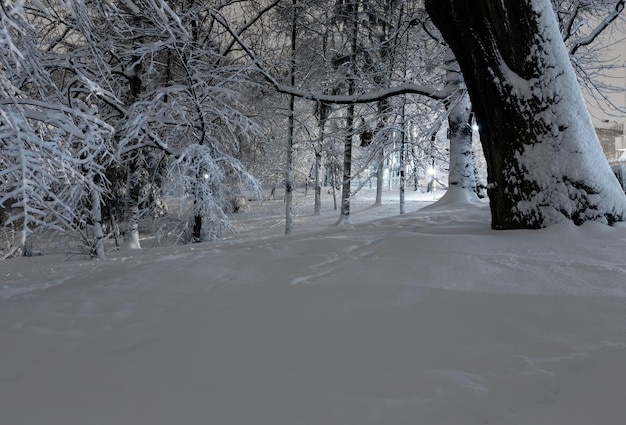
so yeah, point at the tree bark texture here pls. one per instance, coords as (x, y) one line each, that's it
(545, 164)
(347, 149)
(380, 170)
(461, 155)
(384, 111)
(290, 131)
(347, 167)
(317, 208)
(132, 209)
(459, 123)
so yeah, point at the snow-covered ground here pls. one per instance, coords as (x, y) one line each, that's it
(427, 318)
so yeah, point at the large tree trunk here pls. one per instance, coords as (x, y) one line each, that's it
(545, 164)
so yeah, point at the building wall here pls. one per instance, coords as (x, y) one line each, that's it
(607, 137)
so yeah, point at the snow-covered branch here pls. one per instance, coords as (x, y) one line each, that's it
(598, 29)
(363, 97)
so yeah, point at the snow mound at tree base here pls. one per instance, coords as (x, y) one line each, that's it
(455, 197)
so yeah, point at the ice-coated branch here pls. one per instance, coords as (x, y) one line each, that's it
(363, 97)
(598, 29)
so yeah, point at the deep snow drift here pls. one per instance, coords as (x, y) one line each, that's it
(427, 318)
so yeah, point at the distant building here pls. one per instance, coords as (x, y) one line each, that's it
(613, 141)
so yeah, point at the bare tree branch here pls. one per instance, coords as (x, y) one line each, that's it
(585, 41)
(363, 97)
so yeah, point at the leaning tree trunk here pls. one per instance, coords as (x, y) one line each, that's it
(545, 164)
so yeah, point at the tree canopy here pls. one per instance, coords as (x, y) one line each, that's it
(169, 112)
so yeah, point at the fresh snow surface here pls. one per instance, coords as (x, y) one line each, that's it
(427, 318)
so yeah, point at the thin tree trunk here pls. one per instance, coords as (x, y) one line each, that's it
(290, 132)
(402, 164)
(132, 231)
(317, 209)
(333, 184)
(96, 218)
(288, 177)
(384, 108)
(197, 227)
(347, 166)
(131, 241)
(323, 110)
(116, 228)
(347, 149)
(380, 170)
(132, 184)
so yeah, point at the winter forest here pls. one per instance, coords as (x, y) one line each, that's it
(175, 114)
(315, 212)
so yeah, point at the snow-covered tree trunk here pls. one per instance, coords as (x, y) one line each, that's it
(353, 14)
(323, 111)
(131, 241)
(380, 169)
(402, 182)
(545, 164)
(288, 171)
(402, 164)
(290, 130)
(333, 184)
(132, 229)
(347, 167)
(115, 228)
(384, 111)
(461, 172)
